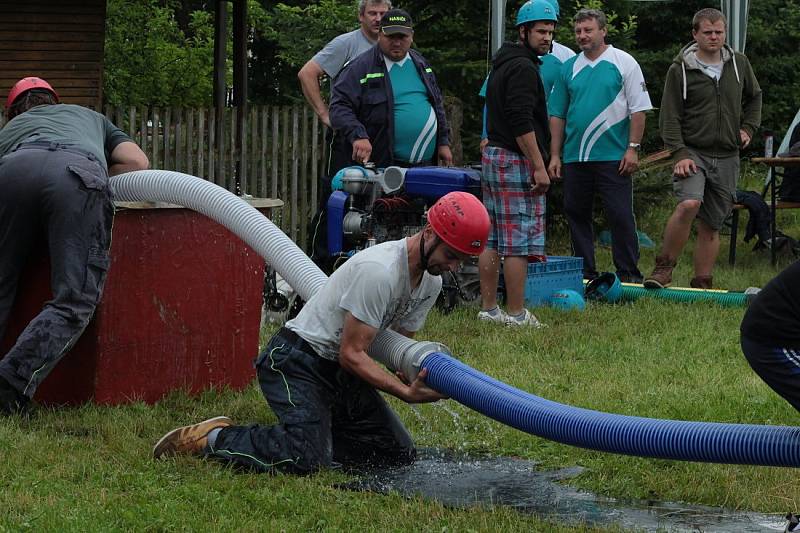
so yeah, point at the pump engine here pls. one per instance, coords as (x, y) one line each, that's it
(368, 207)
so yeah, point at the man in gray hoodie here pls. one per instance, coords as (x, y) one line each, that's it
(711, 107)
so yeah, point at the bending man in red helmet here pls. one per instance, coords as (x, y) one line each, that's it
(316, 373)
(56, 159)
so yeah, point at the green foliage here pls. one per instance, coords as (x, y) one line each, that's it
(150, 60)
(300, 32)
(773, 41)
(285, 37)
(90, 468)
(160, 51)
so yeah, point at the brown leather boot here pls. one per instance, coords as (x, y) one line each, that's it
(662, 273)
(700, 282)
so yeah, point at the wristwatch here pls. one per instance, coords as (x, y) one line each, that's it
(635, 146)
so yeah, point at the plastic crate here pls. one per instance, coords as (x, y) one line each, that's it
(558, 273)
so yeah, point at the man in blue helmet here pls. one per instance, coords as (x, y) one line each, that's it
(515, 179)
(597, 113)
(549, 70)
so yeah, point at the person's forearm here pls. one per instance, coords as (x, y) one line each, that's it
(530, 149)
(636, 132)
(362, 365)
(310, 86)
(122, 168)
(127, 157)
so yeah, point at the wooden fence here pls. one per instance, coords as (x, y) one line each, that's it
(283, 151)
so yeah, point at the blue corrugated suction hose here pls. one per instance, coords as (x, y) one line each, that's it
(667, 439)
(630, 435)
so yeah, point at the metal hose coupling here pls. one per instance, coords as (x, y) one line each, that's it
(415, 354)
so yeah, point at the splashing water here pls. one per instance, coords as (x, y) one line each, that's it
(460, 481)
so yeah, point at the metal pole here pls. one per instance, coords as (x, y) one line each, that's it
(498, 24)
(240, 90)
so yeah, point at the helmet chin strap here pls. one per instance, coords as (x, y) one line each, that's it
(525, 40)
(423, 257)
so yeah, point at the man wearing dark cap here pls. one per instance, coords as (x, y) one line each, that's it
(386, 106)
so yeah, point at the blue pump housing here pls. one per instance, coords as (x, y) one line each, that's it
(335, 216)
(434, 182)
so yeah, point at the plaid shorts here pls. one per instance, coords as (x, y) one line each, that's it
(517, 214)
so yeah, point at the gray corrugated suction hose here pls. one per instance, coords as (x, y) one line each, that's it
(266, 239)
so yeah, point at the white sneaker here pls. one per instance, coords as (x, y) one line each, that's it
(500, 317)
(528, 319)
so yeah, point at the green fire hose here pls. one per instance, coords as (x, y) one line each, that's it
(632, 292)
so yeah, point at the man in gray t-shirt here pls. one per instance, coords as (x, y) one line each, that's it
(55, 160)
(316, 373)
(337, 53)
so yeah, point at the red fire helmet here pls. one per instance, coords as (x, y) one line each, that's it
(461, 221)
(26, 84)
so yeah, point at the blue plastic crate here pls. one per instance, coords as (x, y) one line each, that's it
(558, 273)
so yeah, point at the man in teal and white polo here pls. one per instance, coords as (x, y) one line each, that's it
(597, 113)
(386, 106)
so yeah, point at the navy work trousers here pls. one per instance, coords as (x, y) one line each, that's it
(779, 367)
(581, 182)
(54, 195)
(325, 416)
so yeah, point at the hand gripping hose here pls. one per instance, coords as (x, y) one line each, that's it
(647, 437)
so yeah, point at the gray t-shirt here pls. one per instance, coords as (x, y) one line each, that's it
(65, 124)
(374, 286)
(341, 50)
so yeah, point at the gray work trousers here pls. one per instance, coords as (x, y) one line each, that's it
(59, 196)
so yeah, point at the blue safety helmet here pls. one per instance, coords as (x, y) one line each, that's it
(534, 10)
(554, 3)
(567, 300)
(606, 287)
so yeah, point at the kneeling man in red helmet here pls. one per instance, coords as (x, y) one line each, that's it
(316, 373)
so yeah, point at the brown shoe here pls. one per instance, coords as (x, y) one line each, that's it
(189, 439)
(662, 273)
(701, 282)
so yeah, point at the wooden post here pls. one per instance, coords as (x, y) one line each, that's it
(274, 163)
(144, 144)
(304, 215)
(264, 127)
(132, 123)
(180, 164)
(314, 159)
(168, 161)
(231, 178)
(212, 144)
(285, 163)
(156, 163)
(203, 135)
(190, 152)
(295, 171)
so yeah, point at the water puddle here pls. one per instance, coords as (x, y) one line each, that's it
(461, 481)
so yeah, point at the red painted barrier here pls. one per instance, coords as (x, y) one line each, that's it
(180, 310)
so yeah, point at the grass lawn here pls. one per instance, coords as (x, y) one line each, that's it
(89, 468)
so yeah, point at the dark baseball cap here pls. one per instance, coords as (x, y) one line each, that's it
(397, 21)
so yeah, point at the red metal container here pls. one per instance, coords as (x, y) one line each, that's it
(181, 310)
